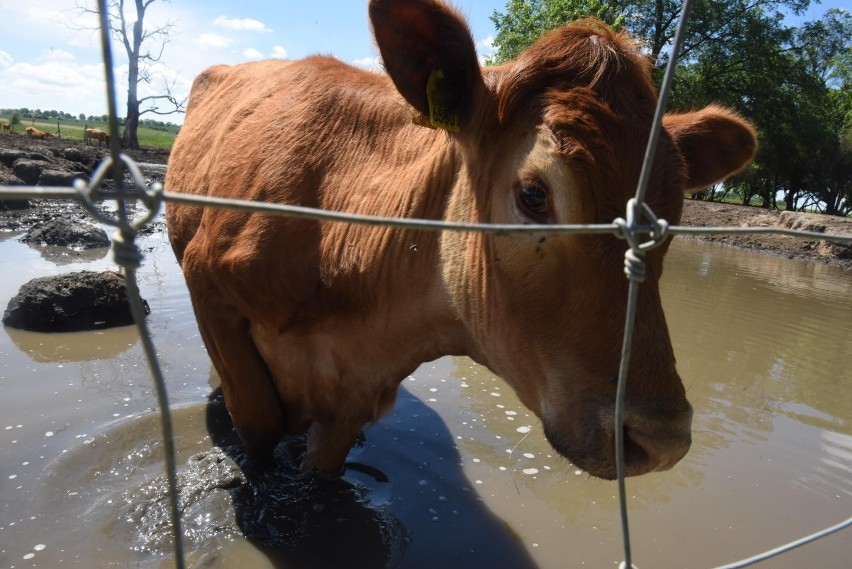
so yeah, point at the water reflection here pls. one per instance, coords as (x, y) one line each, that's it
(74, 346)
(758, 336)
(61, 255)
(402, 502)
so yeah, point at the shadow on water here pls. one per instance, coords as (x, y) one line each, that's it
(301, 520)
(403, 500)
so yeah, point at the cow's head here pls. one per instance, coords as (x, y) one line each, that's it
(558, 136)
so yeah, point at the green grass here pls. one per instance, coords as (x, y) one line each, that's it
(148, 137)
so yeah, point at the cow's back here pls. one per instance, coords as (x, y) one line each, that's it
(270, 131)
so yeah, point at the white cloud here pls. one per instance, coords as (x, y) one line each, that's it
(244, 24)
(252, 54)
(278, 52)
(55, 85)
(54, 73)
(213, 40)
(370, 63)
(485, 48)
(5, 59)
(58, 55)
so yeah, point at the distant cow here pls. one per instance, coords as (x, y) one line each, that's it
(33, 132)
(7, 127)
(91, 134)
(312, 325)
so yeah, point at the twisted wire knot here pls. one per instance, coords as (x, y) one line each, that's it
(125, 252)
(632, 229)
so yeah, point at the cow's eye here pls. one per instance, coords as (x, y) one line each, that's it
(533, 201)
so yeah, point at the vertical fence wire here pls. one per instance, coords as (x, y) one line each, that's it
(129, 257)
(634, 268)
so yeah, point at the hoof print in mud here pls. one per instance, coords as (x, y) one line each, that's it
(71, 302)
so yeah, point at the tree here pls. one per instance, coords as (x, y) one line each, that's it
(794, 83)
(525, 20)
(142, 61)
(655, 21)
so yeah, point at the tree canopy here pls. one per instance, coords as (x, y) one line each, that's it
(793, 81)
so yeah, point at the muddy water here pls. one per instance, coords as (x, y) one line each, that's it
(460, 474)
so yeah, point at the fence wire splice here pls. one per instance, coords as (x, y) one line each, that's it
(635, 268)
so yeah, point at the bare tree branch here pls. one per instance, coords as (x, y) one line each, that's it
(144, 48)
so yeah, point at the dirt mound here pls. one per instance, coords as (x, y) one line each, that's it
(708, 214)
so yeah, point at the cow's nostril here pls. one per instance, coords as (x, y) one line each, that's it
(655, 443)
(637, 459)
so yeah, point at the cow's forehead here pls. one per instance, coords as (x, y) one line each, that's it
(581, 55)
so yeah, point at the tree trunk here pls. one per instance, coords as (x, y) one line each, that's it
(130, 138)
(790, 199)
(131, 124)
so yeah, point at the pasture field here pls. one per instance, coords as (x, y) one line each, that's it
(148, 137)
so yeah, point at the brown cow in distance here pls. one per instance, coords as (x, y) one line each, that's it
(312, 325)
(90, 134)
(33, 132)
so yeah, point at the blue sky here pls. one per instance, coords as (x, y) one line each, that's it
(45, 63)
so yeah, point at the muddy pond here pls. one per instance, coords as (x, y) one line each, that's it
(460, 474)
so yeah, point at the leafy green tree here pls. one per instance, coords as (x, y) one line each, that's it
(655, 21)
(525, 20)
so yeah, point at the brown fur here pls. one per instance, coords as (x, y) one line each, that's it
(33, 132)
(7, 127)
(91, 134)
(312, 325)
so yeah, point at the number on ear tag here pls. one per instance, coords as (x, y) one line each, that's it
(440, 113)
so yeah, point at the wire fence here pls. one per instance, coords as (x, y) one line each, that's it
(640, 228)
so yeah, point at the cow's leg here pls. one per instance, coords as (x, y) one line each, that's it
(328, 446)
(250, 394)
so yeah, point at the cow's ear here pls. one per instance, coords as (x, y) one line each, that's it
(716, 143)
(430, 56)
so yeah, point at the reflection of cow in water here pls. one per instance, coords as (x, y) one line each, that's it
(312, 325)
(91, 134)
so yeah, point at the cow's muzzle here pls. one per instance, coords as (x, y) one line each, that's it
(654, 440)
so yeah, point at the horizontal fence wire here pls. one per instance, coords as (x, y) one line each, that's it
(300, 212)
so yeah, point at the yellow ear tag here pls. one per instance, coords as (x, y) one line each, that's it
(440, 114)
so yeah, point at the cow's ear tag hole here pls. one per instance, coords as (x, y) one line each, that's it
(441, 114)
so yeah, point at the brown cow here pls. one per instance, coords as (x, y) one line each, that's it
(312, 326)
(7, 127)
(90, 134)
(33, 132)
